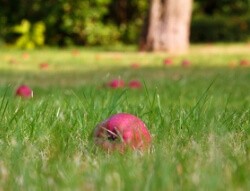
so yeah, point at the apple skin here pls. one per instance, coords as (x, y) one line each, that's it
(116, 83)
(135, 84)
(186, 63)
(244, 62)
(167, 62)
(122, 132)
(26, 56)
(135, 65)
(24, 91)
(75, 52)
(44, 65)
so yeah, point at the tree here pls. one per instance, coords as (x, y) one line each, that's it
(167, 26)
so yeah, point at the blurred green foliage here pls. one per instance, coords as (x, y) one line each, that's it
(220, 21)
(31, 36)
(102, 22)
(220, 29)
(78, 22)
(221, 7)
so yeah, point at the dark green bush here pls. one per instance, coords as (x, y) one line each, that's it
(129, 16)
(80, 22)
(220, 29)
(221, 7)
(102, 22)
(66, 22)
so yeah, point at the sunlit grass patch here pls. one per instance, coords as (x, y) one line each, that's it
(198, 117)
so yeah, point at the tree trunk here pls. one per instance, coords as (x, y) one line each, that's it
(167, 26)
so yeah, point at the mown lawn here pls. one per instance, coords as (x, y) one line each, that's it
(199, 118)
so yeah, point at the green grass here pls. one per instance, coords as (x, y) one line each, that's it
(199, 118)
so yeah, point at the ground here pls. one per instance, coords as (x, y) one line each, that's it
(198, 116)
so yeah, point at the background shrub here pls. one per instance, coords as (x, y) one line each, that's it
(30, 36)
(220, 29)
(102, 22)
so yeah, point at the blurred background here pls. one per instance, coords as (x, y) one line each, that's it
(30, 24)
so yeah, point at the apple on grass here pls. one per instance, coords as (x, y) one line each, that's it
(167, 62)
(75, 52)
(244, 62)
(116, 83)
(185, 63)
(26, 56)
(135, 65)
(135, 84)
(44, 65)
(121, 132)
(24, 92)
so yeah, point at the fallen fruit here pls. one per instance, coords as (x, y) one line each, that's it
(26, 56)
(134, 84)
(135, 65)
(24, 91)
(75, 52)
(244, 62)
(122, 131)
(44, 65)
(167, 61)
(116, 83)
(185, 63)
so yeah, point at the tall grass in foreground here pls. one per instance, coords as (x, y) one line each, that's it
(199, 119)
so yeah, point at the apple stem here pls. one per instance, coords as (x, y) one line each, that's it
(111, 135)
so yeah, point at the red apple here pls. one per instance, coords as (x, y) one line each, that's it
(116, 83)
(244, 62)
(167, 62)
(134, 84)
(185, 63)
(122, 131)
(44, 65)
(26, 56)
(209, 44)
(135, 65)
(24, 91)
(75, 52)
